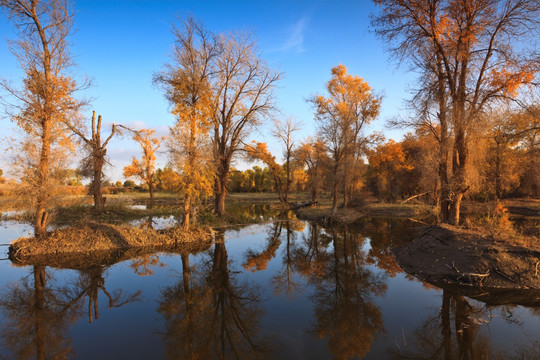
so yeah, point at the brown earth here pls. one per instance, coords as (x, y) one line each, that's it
(92, 238)
(445, 255)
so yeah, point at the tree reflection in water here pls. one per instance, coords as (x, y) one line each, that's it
(344, 311)
(37, 318)
(38, 315)
(89, 283)
(343, 285)
(283, 281)
(210, 314)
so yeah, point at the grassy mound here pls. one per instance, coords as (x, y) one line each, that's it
(94, 237)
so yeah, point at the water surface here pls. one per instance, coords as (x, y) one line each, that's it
(287, 289)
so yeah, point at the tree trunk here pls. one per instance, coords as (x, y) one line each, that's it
(187, 212)
(289, 180)
(40, 228)
(459, 166)
(39, 297)
(455, 208)
(99, 160)
(220, 191)
(151, 190)
(334, 196)
(345, 183)
(314, 194)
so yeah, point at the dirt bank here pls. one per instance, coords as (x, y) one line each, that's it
(94, 237)
(323, 214)
(444, 255)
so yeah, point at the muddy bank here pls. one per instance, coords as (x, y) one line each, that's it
(324, 215)
(349, 215)
(93, 238)
(445, 255)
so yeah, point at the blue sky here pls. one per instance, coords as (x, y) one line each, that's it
(121, 44)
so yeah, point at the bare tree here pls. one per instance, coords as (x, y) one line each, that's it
(283, 131)
(220, 78)
(93, 164)
(243, 89)
(46, 97)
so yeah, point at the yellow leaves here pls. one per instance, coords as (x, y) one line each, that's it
(510, 80)
(389, 157)
(133, 169)
(145, 168)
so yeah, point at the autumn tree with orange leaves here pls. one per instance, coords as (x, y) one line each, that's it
(187, 85)
(312, 154)
(387, 164)
(235, 87)
(259, 151)
(471, 54)
(47, 95)
(144, 169)
(350, 105)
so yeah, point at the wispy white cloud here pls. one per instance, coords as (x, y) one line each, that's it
(295, 40)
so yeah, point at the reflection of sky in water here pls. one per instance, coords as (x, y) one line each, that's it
(156, 223)
(137, 207)
(301, 309)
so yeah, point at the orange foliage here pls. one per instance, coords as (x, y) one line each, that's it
(258, 262)
(259, 151)
(143, 265)
(145, 168)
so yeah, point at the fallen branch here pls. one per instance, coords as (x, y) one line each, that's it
(462, 274)
(414, 196)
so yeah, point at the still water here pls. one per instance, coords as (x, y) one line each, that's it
(287, 289)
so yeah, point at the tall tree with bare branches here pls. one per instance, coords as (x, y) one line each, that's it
(471, 53)
(47, 96)
(221, 80)
(243, 89)
(283, 131)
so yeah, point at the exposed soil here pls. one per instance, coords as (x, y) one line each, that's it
(95, 237)
(324, 215)
(352, 214)
(445, 255)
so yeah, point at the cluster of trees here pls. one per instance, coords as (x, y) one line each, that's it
(505, 161)
(218, 87)
(473, 57)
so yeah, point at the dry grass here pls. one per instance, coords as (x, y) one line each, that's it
(93, 237)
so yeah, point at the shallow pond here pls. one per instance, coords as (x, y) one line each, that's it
(285, 290)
